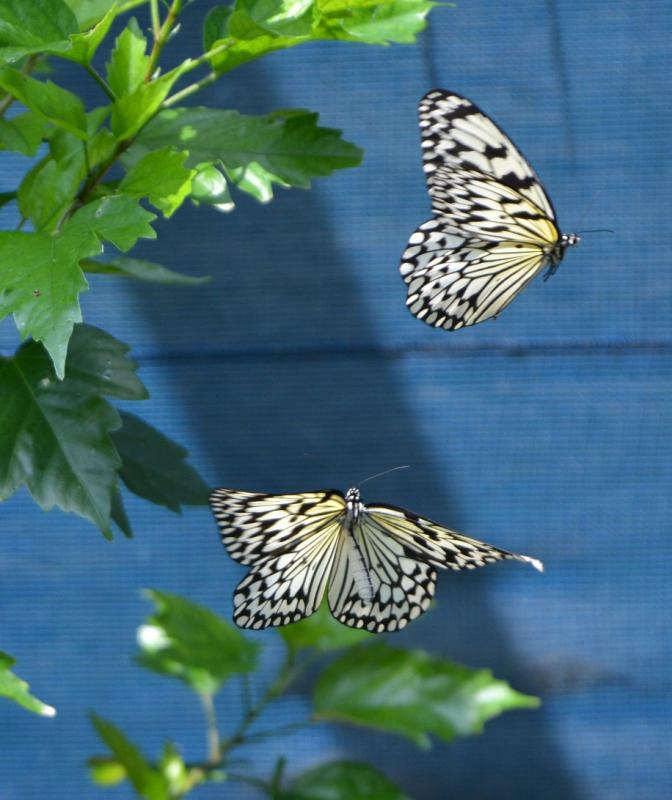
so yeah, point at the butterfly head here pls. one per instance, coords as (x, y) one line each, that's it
(558, 252)
(353, 503)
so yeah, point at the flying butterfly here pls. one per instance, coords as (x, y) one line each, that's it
(376, 563)
(494, 227)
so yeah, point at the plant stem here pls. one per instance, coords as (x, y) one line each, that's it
(191, 89)
(161, 34)
(98, 78)
(212, 731)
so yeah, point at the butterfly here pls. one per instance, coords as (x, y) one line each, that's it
(376, 563)
(494, 227)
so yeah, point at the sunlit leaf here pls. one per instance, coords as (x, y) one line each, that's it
(15, 689)
(128, 61)
(193, 644)
(30, 26)
(412, 693)
(161, 177)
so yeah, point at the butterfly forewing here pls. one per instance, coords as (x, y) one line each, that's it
(436, 544)
(457, 134)
(256, 525)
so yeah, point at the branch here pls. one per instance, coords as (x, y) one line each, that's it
(161, 35)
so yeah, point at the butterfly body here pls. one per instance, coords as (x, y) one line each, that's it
(493, 227)
(375, 563)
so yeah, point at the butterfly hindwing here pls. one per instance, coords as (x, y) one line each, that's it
(377, 584)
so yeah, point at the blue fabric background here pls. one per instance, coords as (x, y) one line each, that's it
(546, 432)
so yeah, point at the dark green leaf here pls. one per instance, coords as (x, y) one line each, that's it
(287, 147)
(15, 689)
(53, 103)
(54, 435)
(22, 134)
(154, 467)
(141, 270)
(128, 62)
(216, 25)
(160, 176)
(412, 693)
(147, 782)
(193, 644)
(321, 632)
(342, 780)
(115, 218)
(118, 514)
(29, 26)
(99, 364)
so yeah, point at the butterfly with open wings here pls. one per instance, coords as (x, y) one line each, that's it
(376, 563)
(493, 226)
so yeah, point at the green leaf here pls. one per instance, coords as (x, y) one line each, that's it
(193, 644)
(54, 435)
(147, 782)
(53, 103)
(90, 12)
(128, 62)
(321, 632)
(209, 186)
(154, 467)
(338, 780)
(131, 112)
(115, 218)
(15, 689)
(106, 771)
(412, 693)
(22, 134)
(30, 26)
(253, 28)
(287, 147)
(40, 281)
(142, 270)
(161, 176)
(83, 45)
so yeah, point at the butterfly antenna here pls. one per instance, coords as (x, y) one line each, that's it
(380, 474)
(598, 230)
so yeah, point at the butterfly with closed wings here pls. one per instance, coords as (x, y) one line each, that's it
(493, 226)
(377, 563)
